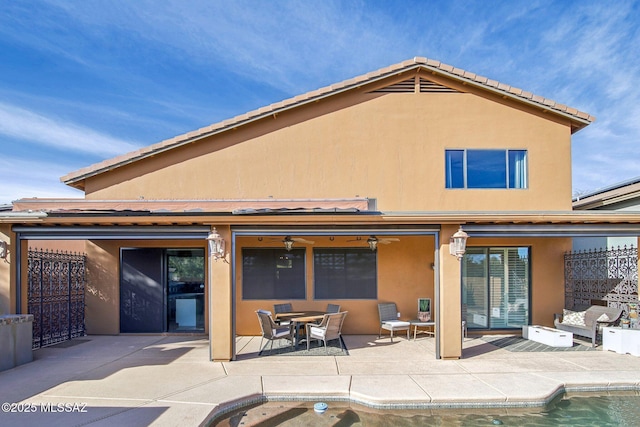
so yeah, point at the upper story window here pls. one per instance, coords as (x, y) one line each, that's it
(486, 168)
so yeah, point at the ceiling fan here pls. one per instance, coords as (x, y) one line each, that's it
(289, 241)
(373, 241)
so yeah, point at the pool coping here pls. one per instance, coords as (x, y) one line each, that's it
(226, 408)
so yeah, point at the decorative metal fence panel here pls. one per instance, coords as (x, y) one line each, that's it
(605, 276)
(56, 296)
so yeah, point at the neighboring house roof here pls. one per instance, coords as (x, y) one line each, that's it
(621, 193)
(577, 118)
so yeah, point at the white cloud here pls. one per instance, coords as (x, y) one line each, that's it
(22, 178)
(289, 45)
(30, 126)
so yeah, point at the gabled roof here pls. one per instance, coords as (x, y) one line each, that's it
(578, 119)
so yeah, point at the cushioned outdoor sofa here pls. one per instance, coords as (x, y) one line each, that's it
(587, 323)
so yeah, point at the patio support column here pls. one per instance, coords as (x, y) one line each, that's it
(220, 300)
(7, 293)
(449, 313)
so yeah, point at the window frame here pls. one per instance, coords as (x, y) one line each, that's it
(456, 179)
(488, 287)
(370, 293)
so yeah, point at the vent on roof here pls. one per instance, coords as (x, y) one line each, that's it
(427, 86)
(409, 86)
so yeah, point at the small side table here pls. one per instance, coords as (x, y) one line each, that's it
(430, 327)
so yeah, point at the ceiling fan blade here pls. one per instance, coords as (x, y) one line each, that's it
(386, 241)
(301, 240)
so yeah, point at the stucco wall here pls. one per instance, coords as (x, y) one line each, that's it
(385, 146)
(102, 295)
(404, 275)
(77, 246)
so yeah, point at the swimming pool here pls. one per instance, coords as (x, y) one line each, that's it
(570, 409)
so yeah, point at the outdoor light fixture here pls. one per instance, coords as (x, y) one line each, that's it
(458, 243)
(373, 243)
(3, 250)
(216, 244)
(288, 243)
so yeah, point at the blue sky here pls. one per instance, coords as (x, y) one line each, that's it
(82, 81)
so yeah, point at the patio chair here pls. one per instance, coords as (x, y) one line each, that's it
(333, 308)
(329, 329)
(388, 313)
(271, 331)
(282, 308)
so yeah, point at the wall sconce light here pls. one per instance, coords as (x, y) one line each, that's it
(216, 244)
(372, 241)
(4, 251)
(288, 243)
(458, 244)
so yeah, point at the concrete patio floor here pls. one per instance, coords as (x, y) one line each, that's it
(168, 380)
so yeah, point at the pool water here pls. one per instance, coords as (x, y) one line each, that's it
(572, 409)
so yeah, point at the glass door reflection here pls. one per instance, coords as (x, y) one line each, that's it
(185, 294)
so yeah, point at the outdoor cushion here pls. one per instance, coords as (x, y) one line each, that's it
(318, 331)
(281, 332)
(603, 318)
(397, 323)
(570, 317)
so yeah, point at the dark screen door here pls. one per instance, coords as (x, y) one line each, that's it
(142, 307)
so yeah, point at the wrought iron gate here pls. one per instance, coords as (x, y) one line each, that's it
(605, 276)
(56, 296)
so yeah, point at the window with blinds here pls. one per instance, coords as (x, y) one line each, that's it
(345, 273)
(273, 274)
(496, 287)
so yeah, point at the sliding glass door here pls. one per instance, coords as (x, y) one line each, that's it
(496, 287)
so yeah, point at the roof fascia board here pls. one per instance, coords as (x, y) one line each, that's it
(112, 233)
(329, 230)
(524, 216)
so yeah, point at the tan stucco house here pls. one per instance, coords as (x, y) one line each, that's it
(405, 156)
